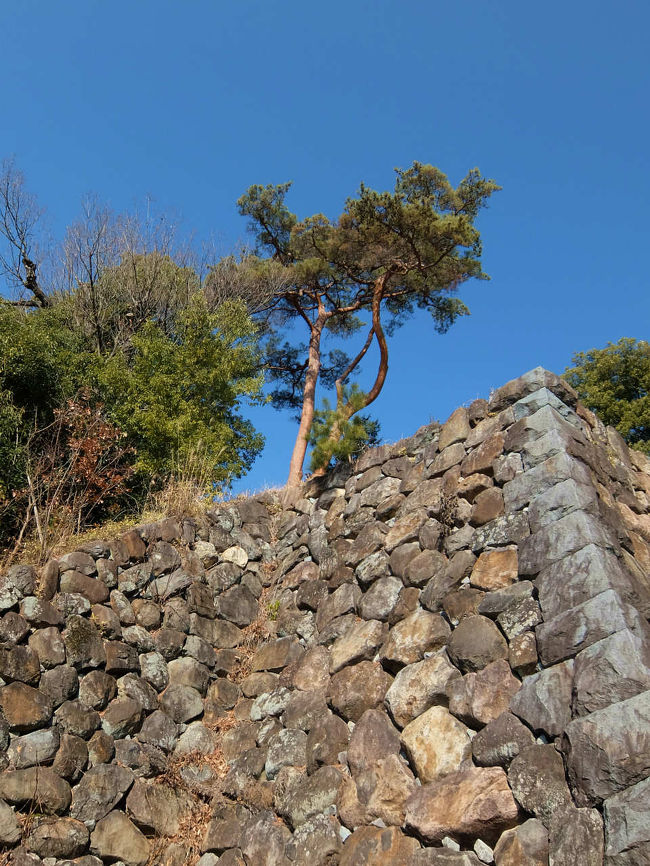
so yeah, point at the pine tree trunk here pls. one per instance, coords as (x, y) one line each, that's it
(347, 411)
(308, 405)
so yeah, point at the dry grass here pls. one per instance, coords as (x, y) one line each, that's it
(193, 828)
(254, 635)
(190, 835)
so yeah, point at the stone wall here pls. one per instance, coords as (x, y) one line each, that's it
(436, 656)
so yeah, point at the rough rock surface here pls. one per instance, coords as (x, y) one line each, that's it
(399, 663)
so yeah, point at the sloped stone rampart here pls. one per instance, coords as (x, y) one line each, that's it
(439, 655)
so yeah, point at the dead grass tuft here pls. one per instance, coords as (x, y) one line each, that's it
(254, 635)
(190, 835)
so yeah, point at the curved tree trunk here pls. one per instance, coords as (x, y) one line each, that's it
(377, 331)
(308, 404)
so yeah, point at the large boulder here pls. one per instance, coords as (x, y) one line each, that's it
(469, 803)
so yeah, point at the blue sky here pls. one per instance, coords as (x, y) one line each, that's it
(191, 102)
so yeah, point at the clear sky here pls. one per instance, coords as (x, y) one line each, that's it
(192, 101)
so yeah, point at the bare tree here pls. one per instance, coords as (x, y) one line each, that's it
(91, 246)
(121, 270)
(19, 217)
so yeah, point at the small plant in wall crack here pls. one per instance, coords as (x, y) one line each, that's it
(448, 507)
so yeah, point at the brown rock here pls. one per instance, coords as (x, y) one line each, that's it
(374, 737)
(522, 653)
(536, 777)
(263, 841)
(437, 744)
(19, 664)
(472, 802)
(59, 684)
(470, 487)
(475, 642)
(488, 505)
(120, 657)
(455, 429)
(60, 837)
(304, 709)
(461, 603)
(377, 846)
(447, 580)
(101, 788)
(402, 556)
(39, 787)
(225, 828)
(500, 741)
(418, 633)
(312, 796)
(116, 838)
(83, 644)
(76, 719)
(405, 529)
(48, 646)
(325, 741)
(277, 654)
(526, 845)
(24, 708)
(423, 567)
(445, 460)
(96, 689)
(122, 717)
(407, 602)
(482, 458)
(94, 590)
(148, 614)
(479, 698)
(383, 789)
(358, 688)
(158, 808)
(495, 569)
(48, 580)
(72, 758)
(13, 628)
(420, 686)
(359, 643)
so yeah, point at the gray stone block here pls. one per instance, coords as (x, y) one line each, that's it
(627, 826)
(562, 538)
(544, 700)
(609, 750)
(527, 486)
(531, 381)
(529, 404)
(611, 670)
(570, 632)
(579, 577)
(560, 500)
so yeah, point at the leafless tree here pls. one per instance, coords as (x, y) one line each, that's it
(91, 246)
(19, 217)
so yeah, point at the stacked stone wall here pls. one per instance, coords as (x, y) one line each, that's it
(438, 655)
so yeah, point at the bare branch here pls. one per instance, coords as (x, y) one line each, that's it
(19, 216)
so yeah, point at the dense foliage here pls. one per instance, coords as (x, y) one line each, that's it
(89, 433)
(615, 383)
